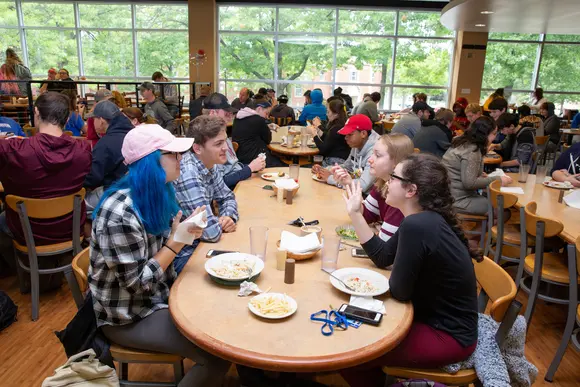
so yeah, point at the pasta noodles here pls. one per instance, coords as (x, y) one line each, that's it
(361, 285)
(234, 270)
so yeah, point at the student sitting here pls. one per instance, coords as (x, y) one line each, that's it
(464, 163)
(389, 151)
(315, 108)
(330, 144)
(282, 110)
(361, 138)
(75, 123)
(435, 135)
(567, 167)
(520, 142)
(432, 268)
(131, 266)
(201, 182)
(8, 125)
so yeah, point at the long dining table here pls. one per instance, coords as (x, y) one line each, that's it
(548, 206)
(216, 319)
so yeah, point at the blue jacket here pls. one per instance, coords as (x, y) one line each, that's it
(315, 109)
(107, 165)
(9, 125)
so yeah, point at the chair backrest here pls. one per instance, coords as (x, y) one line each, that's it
(45, 208)
(497, 284)
(235, 145)
(281, 121)
(80, 266)
(68, 133)
(416, 150)
(30, 130)
(552, 228)
(509, 200)
(541, 140)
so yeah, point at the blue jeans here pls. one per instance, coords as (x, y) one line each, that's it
(181, 259)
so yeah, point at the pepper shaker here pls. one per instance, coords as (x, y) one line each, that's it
(289, 271)
(561, 196)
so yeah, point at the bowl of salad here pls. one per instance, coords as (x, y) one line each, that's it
(346, 232)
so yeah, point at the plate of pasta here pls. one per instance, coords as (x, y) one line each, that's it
(273, 305)
(364, 282)
(234, 267)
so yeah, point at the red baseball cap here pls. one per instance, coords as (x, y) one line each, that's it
(356, 122)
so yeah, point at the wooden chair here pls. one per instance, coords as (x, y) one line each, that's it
(235, 145)
(123, 355)
(547, 268)
(281, 121)
(573, 311)
(464, 219)
(30, 130)
(416, 150)
(45, 209)
(179, 126)
(68, 133)
(497, 286)
(505, 233)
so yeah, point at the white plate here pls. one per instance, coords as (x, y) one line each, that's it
(558, 184)
(219, 260)
(378, 280)
(272, 176)
(292, 302)
(314, 177)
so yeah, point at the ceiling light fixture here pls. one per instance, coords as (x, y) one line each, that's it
(486, 12)
(480, 25)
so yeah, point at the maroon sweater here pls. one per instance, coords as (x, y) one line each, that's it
(44, 166)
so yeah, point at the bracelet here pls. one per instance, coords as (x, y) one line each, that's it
(166, 245)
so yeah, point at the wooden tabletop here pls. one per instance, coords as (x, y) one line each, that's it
(9, 105)
(297, 151)
(548, 206)
(216, 319)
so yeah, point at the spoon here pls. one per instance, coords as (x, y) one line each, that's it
(339, 280)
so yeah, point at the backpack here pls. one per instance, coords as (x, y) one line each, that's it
(417, 383)
(83, 369)
(7, 311)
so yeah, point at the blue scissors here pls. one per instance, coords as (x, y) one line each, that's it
(331, 319)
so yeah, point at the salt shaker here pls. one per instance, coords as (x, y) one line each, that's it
(289, 271)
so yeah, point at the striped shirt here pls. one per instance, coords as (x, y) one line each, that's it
(376, 210)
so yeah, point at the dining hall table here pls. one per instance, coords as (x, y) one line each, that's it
(548, 206)
(216, 319)
(296, 152)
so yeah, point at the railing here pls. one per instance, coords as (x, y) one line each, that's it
(99, 84)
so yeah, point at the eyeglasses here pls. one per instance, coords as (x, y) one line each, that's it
(394, 176)
(177, 154)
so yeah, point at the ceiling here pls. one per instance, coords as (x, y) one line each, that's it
(517, 16)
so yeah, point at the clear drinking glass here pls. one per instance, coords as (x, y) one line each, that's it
(294, 172)
(330, 253)
(318, 159)
(259, 241)
(524, 172)
(541, 172)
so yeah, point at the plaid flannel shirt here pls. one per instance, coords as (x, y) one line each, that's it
(198, 186)
(127, 284)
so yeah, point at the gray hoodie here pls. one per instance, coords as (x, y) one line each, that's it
(358, 163)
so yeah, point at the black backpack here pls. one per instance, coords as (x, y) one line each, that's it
(7, 311)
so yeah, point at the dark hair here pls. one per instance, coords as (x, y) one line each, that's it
(549, 106)
(419, 106)
(250, 94)
(205, 127)
(134, 113)
(72, 98)
(262, 91)
(156, 75)
(307, 93)
(258, 96)
(337, 107)
(505, 120)
(430, 177)
(498, 104)
(366, 95)
(539, 93)
(498, 92)
(444, 116)
(420, 97)
(337, 91)
(476, 134)
(524, 111)
(333, 98)
(53, 108)
(376, 96)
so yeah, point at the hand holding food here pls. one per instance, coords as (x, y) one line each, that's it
(257, 164)
(316, 122)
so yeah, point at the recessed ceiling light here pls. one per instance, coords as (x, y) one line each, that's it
(480, 25)
(486, 12)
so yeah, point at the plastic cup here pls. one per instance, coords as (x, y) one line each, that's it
(294, 172)
(541, 172)
(330, 253)
(259, 241)
(304, 140)
(318, 159)
(524, 172)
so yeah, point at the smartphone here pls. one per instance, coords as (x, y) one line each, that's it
(360, 314)
(359, 253)
(213, 253)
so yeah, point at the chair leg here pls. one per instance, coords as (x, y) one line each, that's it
(536, 278)
(21, 273)
(483, 228)
(34, 291)
(498, 247)
(123, 371)
(178, 371)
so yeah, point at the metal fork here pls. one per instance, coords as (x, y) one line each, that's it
(339, 280)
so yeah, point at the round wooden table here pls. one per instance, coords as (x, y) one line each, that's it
(295, 152)
(216, 319)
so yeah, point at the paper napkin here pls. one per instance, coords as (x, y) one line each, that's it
(299, 245)
(514, 190)
(182, 235)
(573, 199)
(368, 303)
(287, 184)
(497, 172)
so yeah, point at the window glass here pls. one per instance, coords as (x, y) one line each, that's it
(247, 18)
(98, 57)
(52, 48)
(422, 24)
(319, 20)
(161, 16)
(8, 16)
(46, 14)
(366, 22)
(423, 62)
(105, 15)
(509, 64)
(167, 52)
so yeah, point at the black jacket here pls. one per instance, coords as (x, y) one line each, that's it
(195, 107)
(253, 137)
(333, 144)
(433, 137)
(107, 165)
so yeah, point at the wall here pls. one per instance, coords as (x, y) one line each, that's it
(468, 67)
(203, 35)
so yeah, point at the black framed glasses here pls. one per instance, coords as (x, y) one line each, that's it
(177, 154)
(394, 176)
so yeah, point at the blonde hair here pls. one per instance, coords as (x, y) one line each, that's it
(399, 147)
(473, 108)
(118, 99)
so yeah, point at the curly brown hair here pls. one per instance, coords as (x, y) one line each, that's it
(430, 177)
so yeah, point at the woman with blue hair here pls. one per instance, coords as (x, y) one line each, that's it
(132, 253)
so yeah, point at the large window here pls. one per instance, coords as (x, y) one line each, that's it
(122, 42)
(522, 62)
(294, 49)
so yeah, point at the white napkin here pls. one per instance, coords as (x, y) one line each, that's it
(247, 288)
(262, 155)
(514, 190)
(497, 172)
(182, 235)
(573, 199)
(287, 184)
(283, 140)
(368, 303)
(299, 245)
